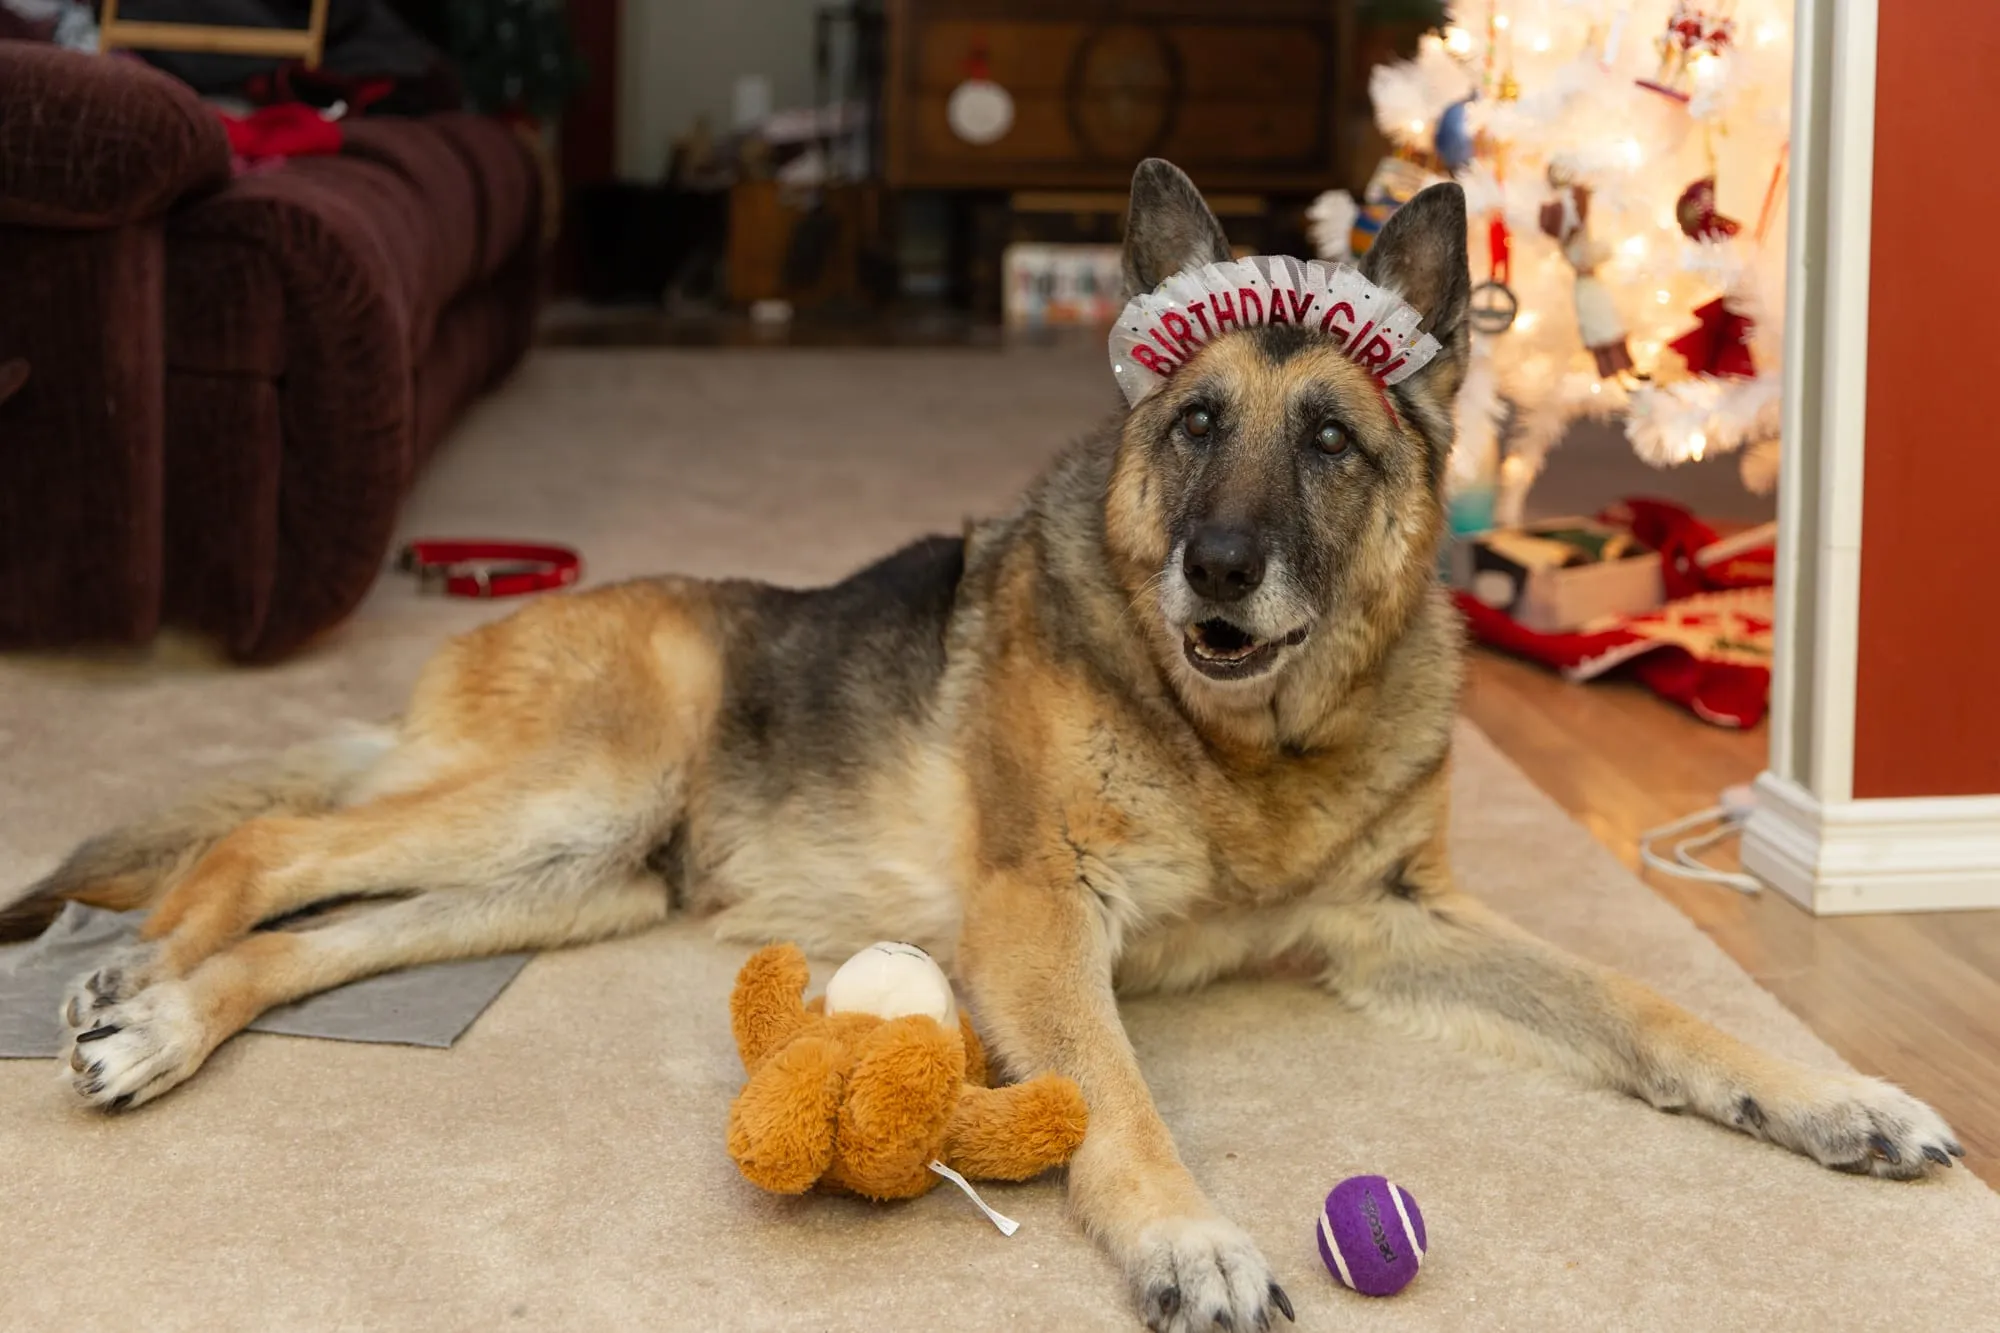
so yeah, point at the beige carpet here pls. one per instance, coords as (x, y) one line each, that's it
(563, 1166)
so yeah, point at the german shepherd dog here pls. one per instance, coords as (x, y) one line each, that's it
(1185, 712)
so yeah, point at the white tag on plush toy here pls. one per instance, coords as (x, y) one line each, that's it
(1008, 1226)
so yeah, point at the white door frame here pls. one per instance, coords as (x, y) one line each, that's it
(1809, 837)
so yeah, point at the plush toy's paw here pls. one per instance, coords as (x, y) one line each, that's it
(1017, 1132)
(1203, 1275)
(766, 1009)
(781, 1125)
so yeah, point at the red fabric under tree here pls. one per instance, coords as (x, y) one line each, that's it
(1708, 649)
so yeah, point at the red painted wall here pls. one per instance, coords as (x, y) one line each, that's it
(1927, 706)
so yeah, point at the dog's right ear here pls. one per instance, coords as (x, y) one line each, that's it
(1167, 227)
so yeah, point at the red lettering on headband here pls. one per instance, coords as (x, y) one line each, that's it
(1388, 404)
(1165, 346)
(1385, 372)
(1278, 308)
(1199, 309)
(1378, 350)
(1302, 304)
(1182, 332)
(1225, 310)
(1150, 359)
(1247, 297)
(1326, 324)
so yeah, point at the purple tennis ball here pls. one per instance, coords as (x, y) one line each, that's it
(1372, 1236)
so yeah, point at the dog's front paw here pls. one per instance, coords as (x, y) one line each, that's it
(1197, 1274)
(126, 1054)
(1854, 1123)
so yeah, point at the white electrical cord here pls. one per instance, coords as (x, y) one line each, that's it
(1728, 818)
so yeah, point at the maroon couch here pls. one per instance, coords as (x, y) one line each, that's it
(230, 383)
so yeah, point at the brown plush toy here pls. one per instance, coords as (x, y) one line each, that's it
(860, 1091)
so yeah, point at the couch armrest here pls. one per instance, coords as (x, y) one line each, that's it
(99, 141)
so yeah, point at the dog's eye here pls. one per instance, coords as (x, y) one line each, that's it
(1331, 439)
(1197, 422)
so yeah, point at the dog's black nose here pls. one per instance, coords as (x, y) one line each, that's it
(1223, 564)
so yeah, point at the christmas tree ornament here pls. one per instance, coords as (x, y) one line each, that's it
(1719, 345)
(1160, 331)
(1566, 218)
(1453, 139)
(1698, 216)
(979, 110)
(1692, 33)
(1494, 304)
(1396, 181)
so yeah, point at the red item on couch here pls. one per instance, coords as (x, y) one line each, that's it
(289, 129)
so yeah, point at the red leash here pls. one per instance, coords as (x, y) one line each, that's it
(489, 569)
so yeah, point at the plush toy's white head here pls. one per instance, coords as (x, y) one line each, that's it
(892, 981)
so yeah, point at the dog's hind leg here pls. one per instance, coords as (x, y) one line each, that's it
(146, 1044)
(458, 833)
(1433, 960)
(542, 756)
(133, 866)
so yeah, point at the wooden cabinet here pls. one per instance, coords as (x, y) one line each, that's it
(1243, 95)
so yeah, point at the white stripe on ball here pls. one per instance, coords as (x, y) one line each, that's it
(1396, 1193)
(1333, 1248)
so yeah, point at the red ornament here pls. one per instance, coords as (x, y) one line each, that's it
(1720, 346)
(1691, 31)
(1696, 212)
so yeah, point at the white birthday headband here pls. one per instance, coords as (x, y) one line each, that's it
(1161, 330)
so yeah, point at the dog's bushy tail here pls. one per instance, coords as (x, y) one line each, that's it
(131, 867)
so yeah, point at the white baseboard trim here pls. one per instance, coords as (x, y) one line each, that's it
(1915, 854)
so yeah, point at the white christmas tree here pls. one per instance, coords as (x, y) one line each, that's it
(1583, 132)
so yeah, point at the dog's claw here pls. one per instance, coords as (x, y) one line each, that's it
(1954, 1149)
(1283, 1302)
(1884, 1149)
(72, 1016)
(98, 1033)
(1938, 1155)
(121, 1102)
(76, 1060)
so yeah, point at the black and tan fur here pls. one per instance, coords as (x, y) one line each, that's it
(1004, 748)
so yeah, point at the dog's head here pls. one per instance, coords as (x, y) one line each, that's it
(1272, 501)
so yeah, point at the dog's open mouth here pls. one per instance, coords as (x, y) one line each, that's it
(1222, 651)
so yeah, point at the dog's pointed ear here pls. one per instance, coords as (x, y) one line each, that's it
(1420, 253)
(1167, 227)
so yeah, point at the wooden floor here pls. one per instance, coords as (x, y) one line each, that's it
(1915, 999)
